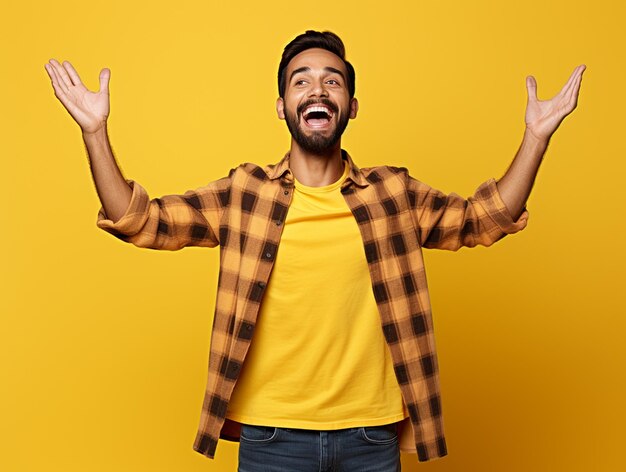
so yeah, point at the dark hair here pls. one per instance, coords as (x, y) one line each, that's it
(314, 39)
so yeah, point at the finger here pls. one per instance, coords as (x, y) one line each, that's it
(531, 87)
(575, 89)
(50, 71)
(572, 91)
(567, 88)
(72, 73)
(105, 75)
(48, 68)
(58, 90)
(64, 79)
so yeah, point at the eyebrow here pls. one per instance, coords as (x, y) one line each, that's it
(308, 69)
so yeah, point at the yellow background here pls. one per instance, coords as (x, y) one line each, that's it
(104, 346)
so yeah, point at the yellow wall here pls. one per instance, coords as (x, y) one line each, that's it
(104, 346)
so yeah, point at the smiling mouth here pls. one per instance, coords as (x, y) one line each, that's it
(317, 116)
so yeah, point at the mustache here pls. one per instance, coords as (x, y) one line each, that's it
(323, 101)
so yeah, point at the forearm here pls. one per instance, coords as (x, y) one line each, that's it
(113, 190)
(515, 186)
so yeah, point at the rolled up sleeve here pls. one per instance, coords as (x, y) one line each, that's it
(451, 222)
(135, 217)
(170, 222)
(489, 196)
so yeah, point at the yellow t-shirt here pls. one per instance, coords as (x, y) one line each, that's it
(318, 358)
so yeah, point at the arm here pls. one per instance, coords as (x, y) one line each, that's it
(170, 222)
(173, 221)
(451, 222)
(542, 120)
(497, 208)
(91, 110)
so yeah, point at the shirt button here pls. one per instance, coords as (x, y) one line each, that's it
(261, 284)
(278, 222)
(286, 192)
(268, 255)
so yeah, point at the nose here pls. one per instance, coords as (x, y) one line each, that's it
(318, 89)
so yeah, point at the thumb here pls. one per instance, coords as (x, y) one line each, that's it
(531, 86)
(105, 75)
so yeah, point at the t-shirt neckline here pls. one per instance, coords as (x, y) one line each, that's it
(325, 188)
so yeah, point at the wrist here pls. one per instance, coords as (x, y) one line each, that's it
(96, 132)
(535, 140)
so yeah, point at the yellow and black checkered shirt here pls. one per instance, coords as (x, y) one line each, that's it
(397, 215)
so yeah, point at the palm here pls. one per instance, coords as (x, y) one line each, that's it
(90, 105)
(543, 117)
(89, 109)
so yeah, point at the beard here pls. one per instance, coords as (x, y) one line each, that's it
(316, 142)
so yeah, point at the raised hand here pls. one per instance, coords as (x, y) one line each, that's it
(89, 109)
(543, 117)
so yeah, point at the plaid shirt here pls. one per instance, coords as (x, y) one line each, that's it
(397, 215)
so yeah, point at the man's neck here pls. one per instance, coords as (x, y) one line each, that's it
(316, 170)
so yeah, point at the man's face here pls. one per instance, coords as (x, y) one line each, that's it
(317, 104)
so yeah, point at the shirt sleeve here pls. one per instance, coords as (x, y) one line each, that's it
(171, 222)
(451, 222)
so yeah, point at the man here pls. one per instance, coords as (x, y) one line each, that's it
(322, 261)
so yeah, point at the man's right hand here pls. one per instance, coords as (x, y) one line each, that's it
(89, 109)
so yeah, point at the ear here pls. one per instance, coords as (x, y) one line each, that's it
(280, 108)
(354, 107)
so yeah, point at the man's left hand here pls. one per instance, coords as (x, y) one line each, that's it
(543, 117)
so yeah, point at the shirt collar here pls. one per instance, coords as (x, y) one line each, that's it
(282, 167)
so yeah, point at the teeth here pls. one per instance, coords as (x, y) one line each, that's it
(318, 108)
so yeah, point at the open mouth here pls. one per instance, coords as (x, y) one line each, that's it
(317, 116)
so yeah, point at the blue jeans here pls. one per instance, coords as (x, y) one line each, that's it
(274, 449)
